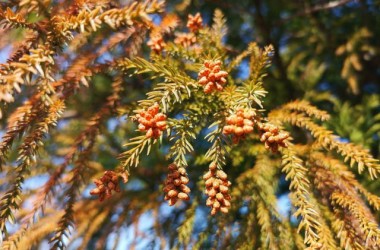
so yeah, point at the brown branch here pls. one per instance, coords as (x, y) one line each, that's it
(321, 7)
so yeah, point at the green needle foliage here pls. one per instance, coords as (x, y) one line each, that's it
(171, 123)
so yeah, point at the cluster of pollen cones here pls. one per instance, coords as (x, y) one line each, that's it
(212, 77)
(272, 136)
(157, 44)
(106, 184)
(176, 185)
(217, 190)
(240, 124)
(151, 121)
(194, 23)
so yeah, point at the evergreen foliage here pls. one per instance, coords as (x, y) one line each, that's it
(116, 114)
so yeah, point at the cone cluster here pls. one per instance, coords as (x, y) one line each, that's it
(156, 43)
(217, 190)
(212, 77)
(194, 23)
(185, 39)
(104, 186)
(239, 124)
(152, 122)
(175, 185)
(272, 136)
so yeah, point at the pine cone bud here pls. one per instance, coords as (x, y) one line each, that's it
(213, 211)
(224, 210)
(226, 203)
(207, 175)
(223, 189)
(184, 188)
(212, 167)
(172, 193)
(173, 201)
(216, 204)
(209, 182)
(212, 193)
(219, 197)
(177, 182)
(184, 179)
(209, 202)
(222, 175)
(183, 196)
(182, 171)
